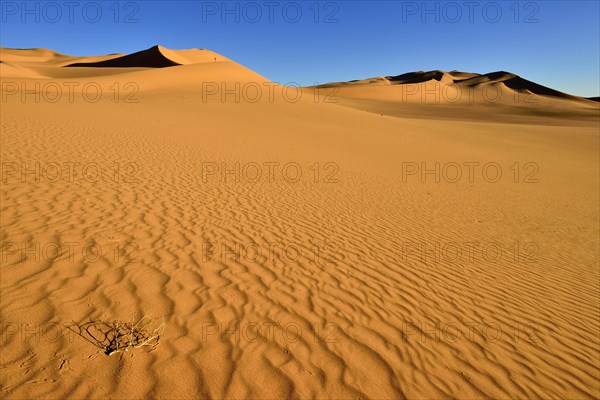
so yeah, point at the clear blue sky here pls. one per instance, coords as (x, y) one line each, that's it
(555, 43)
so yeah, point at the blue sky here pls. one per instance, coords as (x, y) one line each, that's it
(554, 43)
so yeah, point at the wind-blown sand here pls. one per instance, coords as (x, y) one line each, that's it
(345, 294)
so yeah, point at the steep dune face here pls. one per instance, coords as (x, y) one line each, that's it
(517, 83)
(156, 57)
(419, 77)
(285, 245)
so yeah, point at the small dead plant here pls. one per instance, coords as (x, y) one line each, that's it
(119, 336)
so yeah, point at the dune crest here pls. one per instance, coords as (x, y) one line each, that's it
(34, 54)
(156, 57)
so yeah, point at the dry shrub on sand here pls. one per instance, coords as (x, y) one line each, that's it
(118, 336)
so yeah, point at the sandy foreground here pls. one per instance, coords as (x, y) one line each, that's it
(337, 242)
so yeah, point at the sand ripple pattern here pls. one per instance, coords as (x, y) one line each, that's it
(343, 315)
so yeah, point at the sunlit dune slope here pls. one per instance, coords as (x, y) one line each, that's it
(338, 242)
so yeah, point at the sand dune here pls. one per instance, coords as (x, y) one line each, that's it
(498, 96)
(45, 58)
(341, 281)
(155, 57)
(510, 80)
(194, 67)
(29, 55)
(9, 69)
(516, 83)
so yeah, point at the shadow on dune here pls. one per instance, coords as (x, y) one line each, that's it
(150, 58)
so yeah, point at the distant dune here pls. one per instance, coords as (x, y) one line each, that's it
(28, 55)
(458, 78)
(498, 96)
